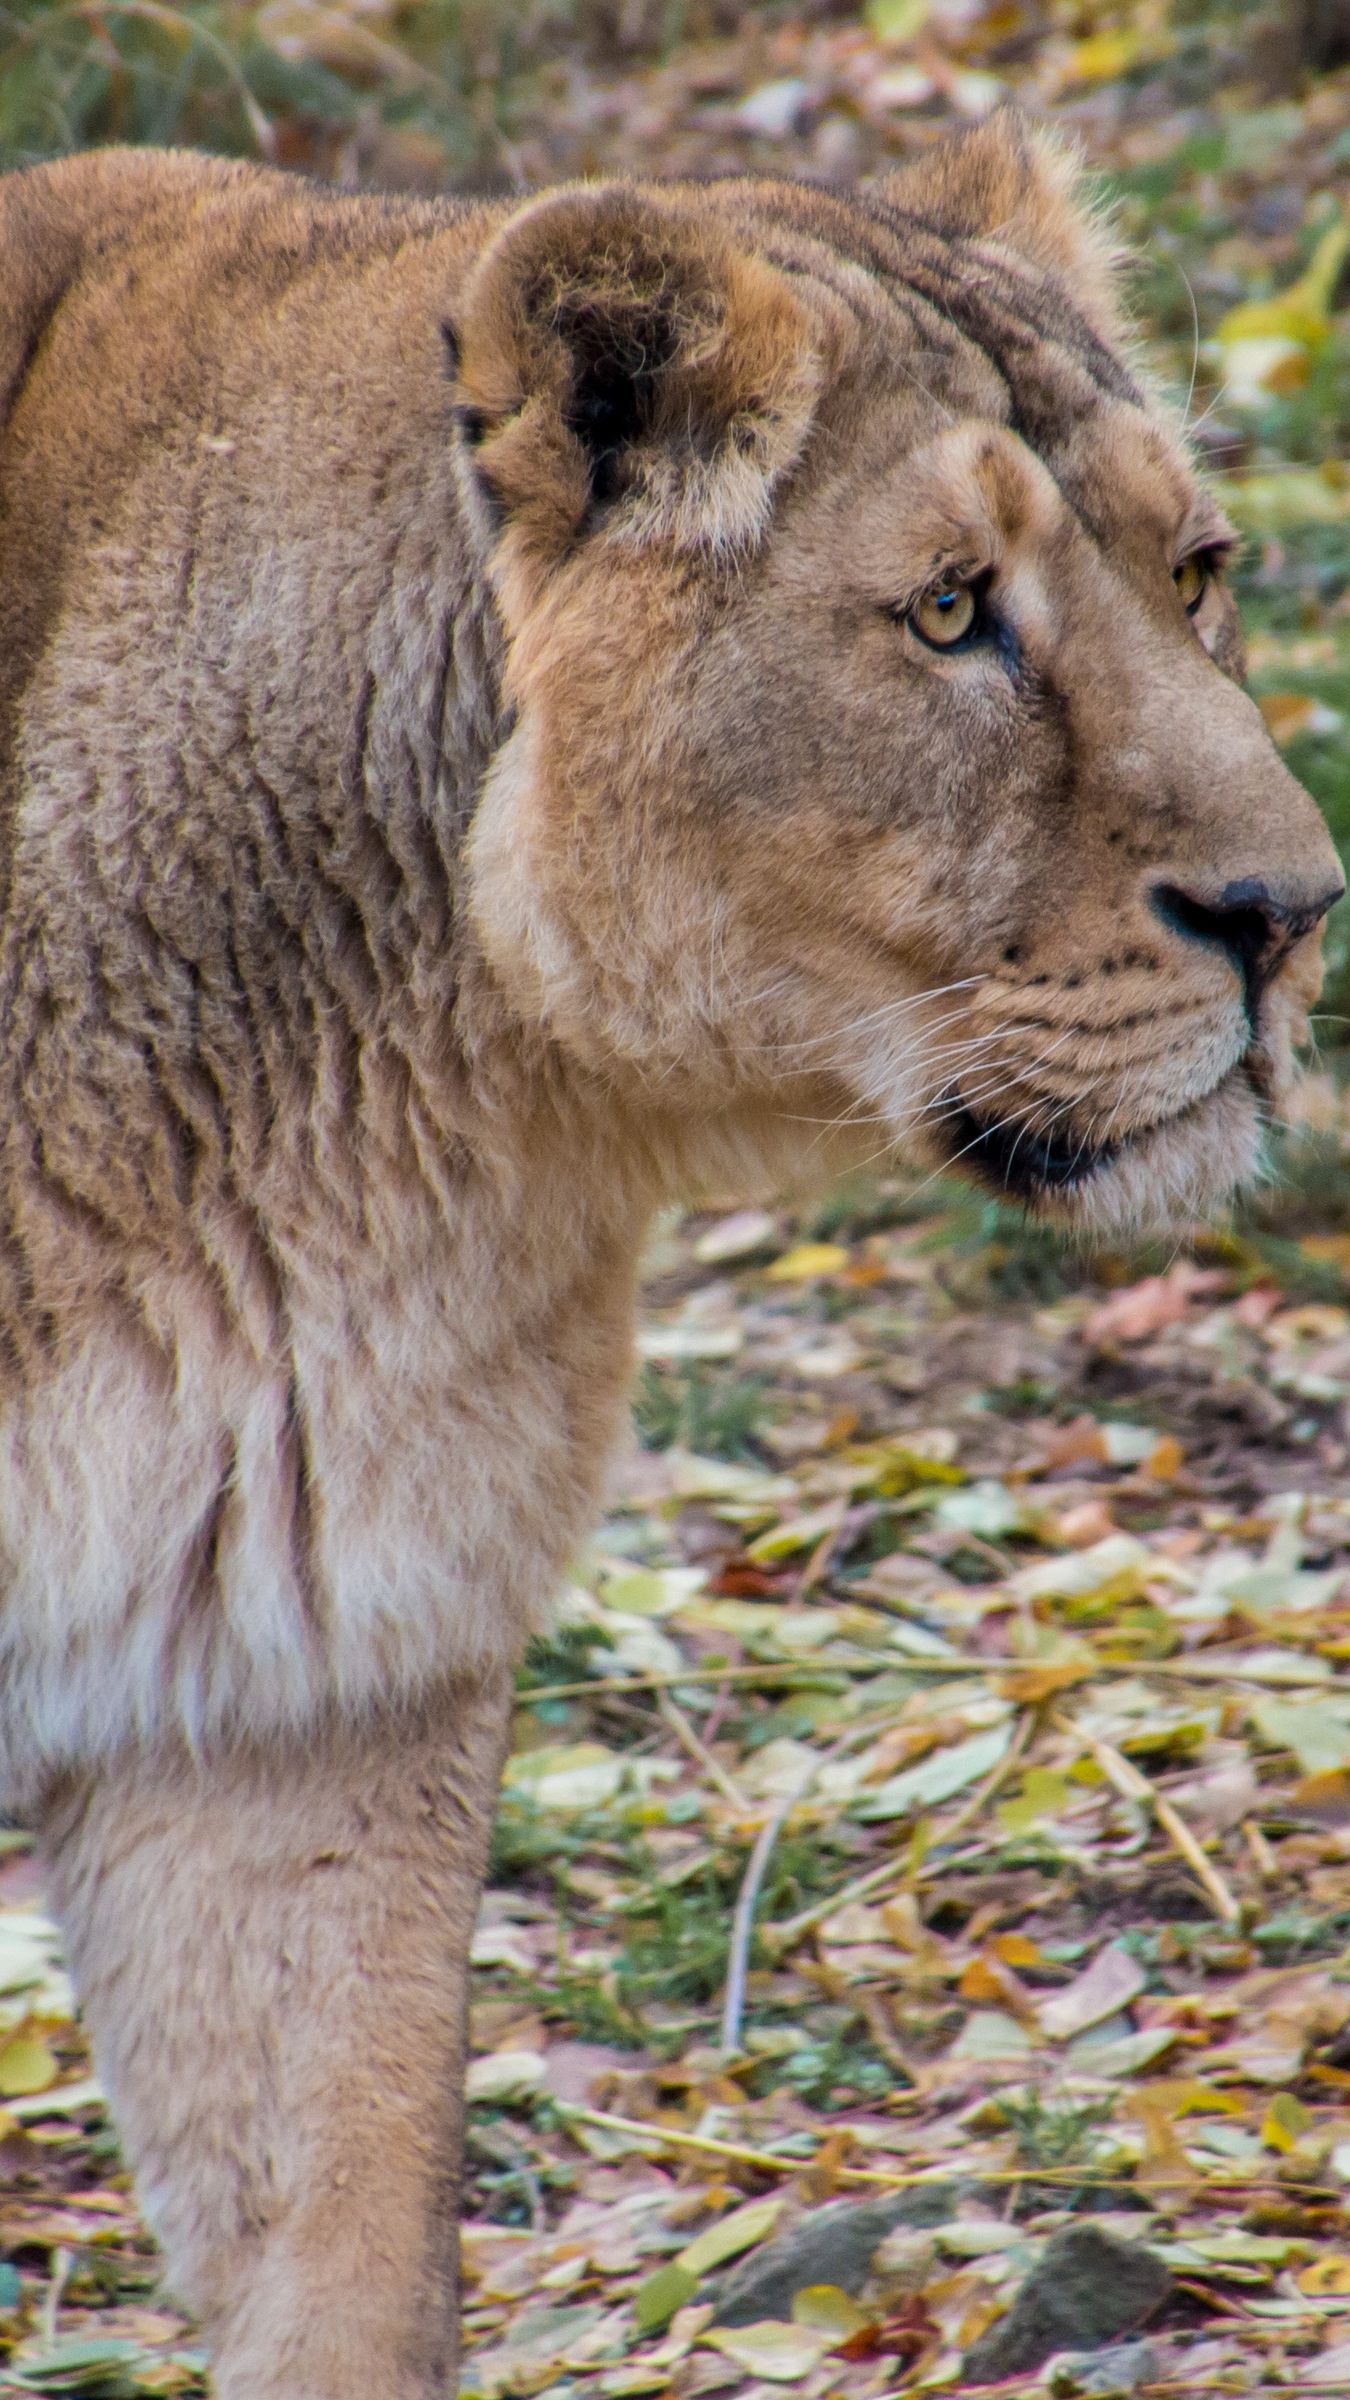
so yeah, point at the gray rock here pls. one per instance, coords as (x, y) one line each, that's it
(835, 2245)
(1088, 2289)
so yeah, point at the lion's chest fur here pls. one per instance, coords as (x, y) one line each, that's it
(198, 1533)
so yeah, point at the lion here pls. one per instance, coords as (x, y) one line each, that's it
(510, 714)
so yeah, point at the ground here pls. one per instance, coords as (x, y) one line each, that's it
(938, 1788)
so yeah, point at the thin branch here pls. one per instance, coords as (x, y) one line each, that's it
(1127, 1780)
(668, 2137)
(698, 1750)
(743, 1923)
(1192, 1670)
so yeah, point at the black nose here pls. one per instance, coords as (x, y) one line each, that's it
(1253, 925)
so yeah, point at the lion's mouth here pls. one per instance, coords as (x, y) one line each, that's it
(1018, 1162)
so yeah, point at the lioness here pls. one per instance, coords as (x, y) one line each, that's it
(510, 712)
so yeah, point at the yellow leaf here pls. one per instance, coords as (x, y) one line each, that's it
(1286, 714)
(1286, 2119)
(807, 1261)
(1101, 57)
(980, 1981)
(828, 2309)
(26, 2065)
(1332, 1248)
(896, 20)
(730, 2235)
(1326, 1796)
(1188, 2096)
(1165, 1461)
(1300, 313)
(1016, 1950)
(800, 1533)
(1043, 1794)
(1028, 1686)
(1328, 2278)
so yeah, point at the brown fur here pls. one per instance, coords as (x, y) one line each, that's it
(468, 777)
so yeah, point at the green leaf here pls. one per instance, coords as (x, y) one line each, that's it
(896, 20)
(938, 1777)
(1316, 1731)
(100, 2370)
(738, 2231)
(656, 2300)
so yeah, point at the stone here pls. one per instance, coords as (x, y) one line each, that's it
(835, 2245)
(1088, 2289)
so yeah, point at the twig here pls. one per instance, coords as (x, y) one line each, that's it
(698, 1750)
(1127, 1779)
(1262, 1856)
(664, 2137)
(1196, 1670)
(671, 1678)
(743, 1922)
(669, 2137)
(54, 2295)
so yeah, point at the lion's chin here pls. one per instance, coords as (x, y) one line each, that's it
(1162, 1176)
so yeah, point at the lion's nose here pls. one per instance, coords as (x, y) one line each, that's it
(1255, 924)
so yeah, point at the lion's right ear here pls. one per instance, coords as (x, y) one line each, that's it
(620, 361)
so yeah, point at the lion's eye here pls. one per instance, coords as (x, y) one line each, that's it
(1192, 581)
(945, 616)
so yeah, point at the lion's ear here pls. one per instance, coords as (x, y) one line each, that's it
(1011, 183)
(620, 360)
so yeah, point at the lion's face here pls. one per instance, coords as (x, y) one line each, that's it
(880, 757)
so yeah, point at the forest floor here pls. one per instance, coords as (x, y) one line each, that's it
(975, 1622)
(918, 1940)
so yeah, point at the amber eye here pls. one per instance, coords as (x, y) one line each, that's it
(1192, 581)
(945, 616)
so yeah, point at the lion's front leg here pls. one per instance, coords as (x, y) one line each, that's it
(271, 1949)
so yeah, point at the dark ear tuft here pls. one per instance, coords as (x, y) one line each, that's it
(624, 355)
(617, 359)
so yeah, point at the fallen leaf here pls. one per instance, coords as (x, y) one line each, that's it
(1108, 1985)
(1328, 2278)
(936, 1778)
(1330, 2372)
(778, 2353)
(1316, 1731)
(1285, 2122)
(656, 2300)
(808, 1262)
(26, 2065)
(738, 2231)
(505, 2076)
(827, 2309)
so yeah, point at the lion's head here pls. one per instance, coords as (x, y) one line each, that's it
(880, 750)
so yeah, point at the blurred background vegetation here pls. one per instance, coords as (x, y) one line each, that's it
(1221, 133)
